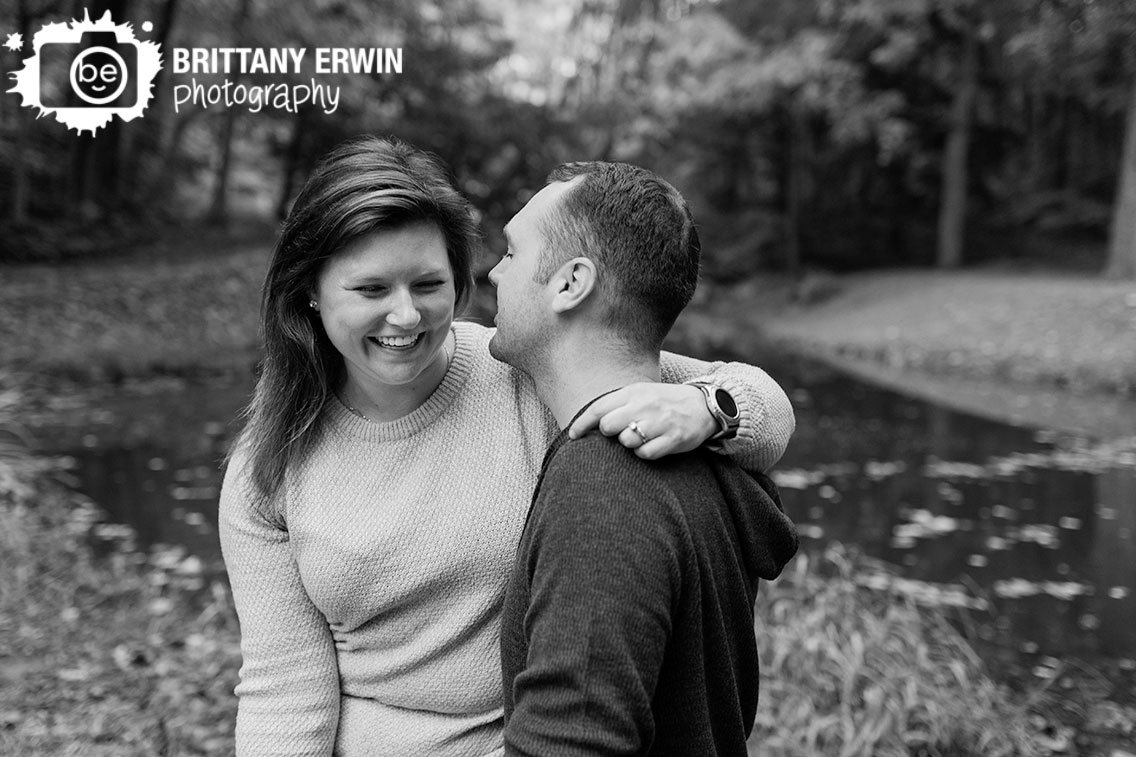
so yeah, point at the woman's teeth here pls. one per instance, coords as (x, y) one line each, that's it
(396, 342)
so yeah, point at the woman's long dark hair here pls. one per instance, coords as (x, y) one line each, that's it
(361, 186)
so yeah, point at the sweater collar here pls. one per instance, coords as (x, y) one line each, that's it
(429, 411)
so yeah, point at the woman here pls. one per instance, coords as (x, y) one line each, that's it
(372, 506)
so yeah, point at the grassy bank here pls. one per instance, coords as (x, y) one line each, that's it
(197, 314)
(133, 317)
(1040, 349)
(1068, 331)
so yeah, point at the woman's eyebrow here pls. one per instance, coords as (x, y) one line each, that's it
(371, 276)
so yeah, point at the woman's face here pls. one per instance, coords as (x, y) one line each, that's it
(386, 301)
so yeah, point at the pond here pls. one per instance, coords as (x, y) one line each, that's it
(1037, 527)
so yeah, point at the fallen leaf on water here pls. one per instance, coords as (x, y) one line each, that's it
(160, 606)
(73, 675)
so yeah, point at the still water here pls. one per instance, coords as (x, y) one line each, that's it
(1037, 528)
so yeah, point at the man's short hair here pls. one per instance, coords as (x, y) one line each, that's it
(640, 233)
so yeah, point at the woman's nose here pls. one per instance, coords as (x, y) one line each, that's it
(404, 313)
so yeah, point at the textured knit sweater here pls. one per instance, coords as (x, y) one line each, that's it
(370, 618)
(628, 621)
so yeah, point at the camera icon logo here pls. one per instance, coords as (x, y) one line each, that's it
(87, 72)
(100, 71)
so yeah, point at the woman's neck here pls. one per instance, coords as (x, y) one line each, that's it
(382, 403)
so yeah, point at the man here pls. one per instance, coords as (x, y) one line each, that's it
(628, 619)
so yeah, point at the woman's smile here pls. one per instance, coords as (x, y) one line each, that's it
(397, 343)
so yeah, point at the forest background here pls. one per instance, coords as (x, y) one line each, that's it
(831, 134)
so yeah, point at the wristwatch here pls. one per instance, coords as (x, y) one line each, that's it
(722, 406)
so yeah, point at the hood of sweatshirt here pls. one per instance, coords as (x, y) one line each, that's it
(768, 538)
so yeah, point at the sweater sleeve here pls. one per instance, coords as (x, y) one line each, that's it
(767, 419)
(288, 695)
(603, 575)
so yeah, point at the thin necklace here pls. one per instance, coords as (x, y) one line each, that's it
(358, 412)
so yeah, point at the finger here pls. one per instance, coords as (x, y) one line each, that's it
(616, 420)
(629, 439)
(655, 448)
(597, 416)
(634, 439)
(587, 420)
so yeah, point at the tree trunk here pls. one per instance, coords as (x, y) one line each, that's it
(94, 159)
(795, 178)
(149, 136)
(292, 163)
(18, 210)
(1038, 154)
(218, 208)
(165, 31)
(952, 204)
(1122, 240)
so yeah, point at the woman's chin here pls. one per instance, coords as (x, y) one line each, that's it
(403, 368)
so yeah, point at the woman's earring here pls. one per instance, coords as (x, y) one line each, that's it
(314, 305)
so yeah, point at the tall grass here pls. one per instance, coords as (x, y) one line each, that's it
(856, 672)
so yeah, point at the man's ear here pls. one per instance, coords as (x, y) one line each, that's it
(572, 284)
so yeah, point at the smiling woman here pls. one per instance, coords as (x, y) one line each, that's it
(372, 505)
(386, 302)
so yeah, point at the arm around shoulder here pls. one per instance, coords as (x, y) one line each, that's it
(767, 420)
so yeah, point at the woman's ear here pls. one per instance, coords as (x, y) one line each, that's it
(572, 284)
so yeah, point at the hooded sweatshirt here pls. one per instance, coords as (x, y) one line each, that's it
(628, 620)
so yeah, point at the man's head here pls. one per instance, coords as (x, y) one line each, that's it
(605, 245)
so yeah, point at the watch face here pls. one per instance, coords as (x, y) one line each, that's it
(726, 403)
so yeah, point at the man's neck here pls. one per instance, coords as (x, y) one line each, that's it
(578, 374)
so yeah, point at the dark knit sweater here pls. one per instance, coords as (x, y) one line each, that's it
(628, 619)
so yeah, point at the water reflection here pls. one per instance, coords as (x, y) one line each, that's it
(167, 498)
(152, 461)
(1042, 529)
(1113, 556)
(1039, 528)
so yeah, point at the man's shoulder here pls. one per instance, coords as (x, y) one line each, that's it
(598, 475)
(595, 457)
(596, 499)
(604, 456)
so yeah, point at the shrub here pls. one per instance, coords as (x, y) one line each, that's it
(851, 671)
